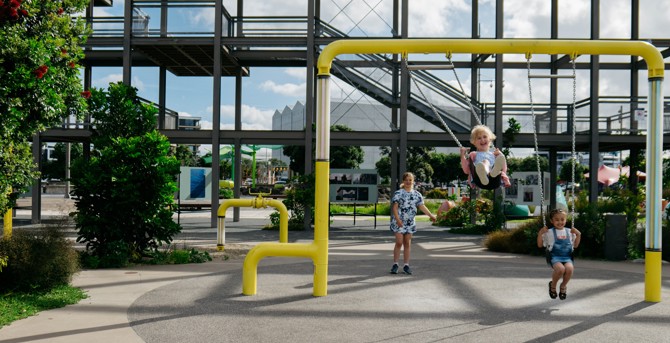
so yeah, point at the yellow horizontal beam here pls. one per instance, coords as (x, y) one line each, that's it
(645, 50)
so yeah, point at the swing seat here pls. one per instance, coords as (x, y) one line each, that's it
(494, 182)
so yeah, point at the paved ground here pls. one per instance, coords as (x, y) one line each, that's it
(459, 293)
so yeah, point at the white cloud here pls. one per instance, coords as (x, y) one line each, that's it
(203, 17)
(286, 89)
(113, 78)
(428, 18)
(298, 73)
(527, 18)
(253, 118)
(106, 80)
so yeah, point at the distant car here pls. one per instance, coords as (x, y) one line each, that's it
(248, 182)
(280, 182)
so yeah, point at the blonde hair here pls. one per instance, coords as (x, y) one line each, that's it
(478, 129)
(408, 174)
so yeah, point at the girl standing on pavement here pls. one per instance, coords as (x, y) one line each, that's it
(559, 242)
(404, 203)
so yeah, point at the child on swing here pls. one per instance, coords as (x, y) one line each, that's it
(490, 168)
(559, 242)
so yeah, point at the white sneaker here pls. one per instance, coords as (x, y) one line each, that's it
(480, 169)
(498, 165)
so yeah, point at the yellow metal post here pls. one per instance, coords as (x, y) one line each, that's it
(7, 224)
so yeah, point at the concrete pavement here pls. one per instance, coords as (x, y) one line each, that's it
(458, 292)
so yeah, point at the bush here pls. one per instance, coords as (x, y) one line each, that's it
(456, 216)
(37, 260)
(226, 193)
(439, 193)
(521, 240)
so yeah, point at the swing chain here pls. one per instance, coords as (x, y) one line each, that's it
(435, 113)
(537, 151)
(472, 108)
(573, 155)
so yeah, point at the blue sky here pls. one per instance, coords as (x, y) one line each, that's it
(270, 89)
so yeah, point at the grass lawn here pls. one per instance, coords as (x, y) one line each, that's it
(15, 306)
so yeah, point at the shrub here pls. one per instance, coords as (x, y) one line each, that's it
(37, 260)
(521, 240)
(124, 191)
(226, 193)
(439, 193)
(456, 216)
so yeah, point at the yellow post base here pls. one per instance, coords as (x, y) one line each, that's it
(219, 247)
(652, 276)
(7, 226)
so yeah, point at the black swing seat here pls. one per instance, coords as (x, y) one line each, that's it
(494, 182)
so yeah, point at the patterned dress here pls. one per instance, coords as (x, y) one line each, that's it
(407, 203)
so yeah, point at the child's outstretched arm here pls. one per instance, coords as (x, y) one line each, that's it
(578, 237)
(426, 211)
(540, 241)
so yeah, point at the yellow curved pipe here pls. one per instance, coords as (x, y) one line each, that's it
(494, 46)
(258, 202)
(262, 250)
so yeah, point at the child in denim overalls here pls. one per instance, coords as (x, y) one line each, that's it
(559, 242)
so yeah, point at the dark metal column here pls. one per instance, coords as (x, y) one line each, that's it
(395, 88)
(127, 37)
(553, 100)
(309, 88)
(162, 74)
(634, 93)
(237, 180)
(404, 95)
(310, 100)
(594, 151)
(499, 73)
(216, 110)
(498, 116)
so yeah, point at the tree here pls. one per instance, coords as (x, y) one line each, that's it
(528, 163)
(446, 167)
(186, 156)
(56, 169)
(40, 85)
(418, 162)
(346, 157)
(510, 135)
(124, 193)
(566, 171)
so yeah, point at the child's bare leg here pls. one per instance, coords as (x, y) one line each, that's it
(482, 170)
(559, 271)
(499, 165)
(398, 245)
(569, 269)
(407, 241)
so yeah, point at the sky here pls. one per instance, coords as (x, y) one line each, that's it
(270, 89)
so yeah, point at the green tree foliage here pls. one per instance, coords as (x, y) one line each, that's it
(510, 135)
(18, 171)
(446, 167)
(566, 171)
(39, 83)
(124, 192)
(418, 162)
(340, 156)
(186, 156)
(526, 164)
(56, 169)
